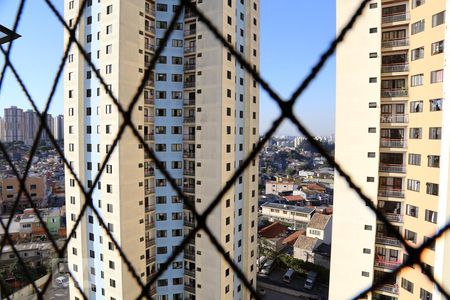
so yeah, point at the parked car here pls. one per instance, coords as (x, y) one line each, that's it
(288, 275)
(261, 261)
(268, 267)
(310, 280)
(62, 281)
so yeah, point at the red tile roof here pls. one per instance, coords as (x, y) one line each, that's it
(273, 230)
(316, 187)
(290, 240)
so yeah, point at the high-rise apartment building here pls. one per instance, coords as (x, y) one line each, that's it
(14, 124)
(391, 118)
(31, 120)
(199, 112)
(59, 127)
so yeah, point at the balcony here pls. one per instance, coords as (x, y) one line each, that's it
(395, 18)
(393, 289)
(150, 11)
(149, 137)
(385, 240)
(190, 255)
(190, 32)
(394, 68)
(150, 208)
(190, 273)
(149, 119)
(395, 43)
(149, 243)
(150, 190)
(391, 93)
(189, 137)
(150, 47)
(189, 172)
(149, 101)
(382, 263)
(152, 289)
(394, 119)
(189, 288)
(189, 223)
(189, 84)
(390, 192)
(188, 154)
(396, 218)
(150, 29)
(189, 14)
(189, 119)
(149, 172)
(189, 102)
(189, 49)
(189, 67)
(392, 168)
(189, 190)
(149, 226)
(392, 143)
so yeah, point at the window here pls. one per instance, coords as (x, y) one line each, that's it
(108, 69)
(412, 211)
(161, 7)
(436, 104)
(417, 80)
(425, 295)
(410, 236)
(433, 189)
(433, 161)
(418, 27)
(407, 285)
(430, 216)
(414, 159)
(417, 53)
(365, 274)
(108, 29)
(432, 245)
(177, 43)
(109, 9)
(416, 3)
(437, 76)
(437, 47)
(438, 19)
(415, 133)
(435, 133)
(416, 106)
(413, 185)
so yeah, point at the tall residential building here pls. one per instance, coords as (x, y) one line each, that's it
(14, 124)
(59, 127)
(31, 120)
(199, 112)
(390, 121)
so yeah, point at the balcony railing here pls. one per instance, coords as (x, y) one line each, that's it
(150, 101)
(394, 118)
(391, 265)
(189, 119)
(384, 240)
(150, 119)
(190, 32)
(149, 243)
(393, 289)
(150, 47)
(189, 172)
(189, 255)
(392, 168)
(149, 226)
(392, 143)
(395, 68)
(189, 14)
(189, 223)
(149, 208)
(149, 28)
(395, 18)
(390, 192)
(189, 137)
(189, 190)
(390, 93)
(149, 137)
(394, 217)
(395, 43)
(189, 49)
(189, 102)
(189, 288)
(188, 154)
(190, 273)
(150, 190)
(188, 67)
(149, 172)
(150, 11)
(189, 84)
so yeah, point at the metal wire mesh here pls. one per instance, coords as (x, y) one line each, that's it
(286, 108)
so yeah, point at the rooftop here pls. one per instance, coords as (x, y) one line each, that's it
(291, 239)
(307, 210)
(319, 221)
(306, 243)
(273, 230)
(294, 198)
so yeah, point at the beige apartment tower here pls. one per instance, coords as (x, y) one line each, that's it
(393, 138)
(199, 112)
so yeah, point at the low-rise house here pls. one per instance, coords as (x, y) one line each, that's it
(280, 186)
(10, 187)
(296, 216)
(272, 236)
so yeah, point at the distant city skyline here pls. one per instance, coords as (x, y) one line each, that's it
(280, 29)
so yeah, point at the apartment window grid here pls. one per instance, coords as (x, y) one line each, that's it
(201, 224)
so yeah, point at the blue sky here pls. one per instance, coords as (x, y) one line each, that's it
(293, 34)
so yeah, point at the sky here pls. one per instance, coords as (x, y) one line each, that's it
(293, 35)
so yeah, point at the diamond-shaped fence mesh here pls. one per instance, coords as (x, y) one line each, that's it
(286, 109)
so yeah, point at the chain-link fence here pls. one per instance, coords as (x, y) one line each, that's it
(286, 108)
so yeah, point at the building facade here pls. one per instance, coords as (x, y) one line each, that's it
(199, 112)
(14, 124)
(390, 120)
